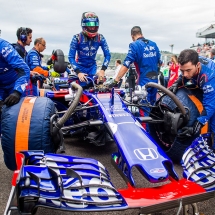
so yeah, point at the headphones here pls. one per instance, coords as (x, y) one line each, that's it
(23, 35)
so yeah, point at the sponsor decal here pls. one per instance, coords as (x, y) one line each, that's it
(115, 108)
(6, 51)
(150, 48)
(23, 86)
(208, 88)
(86, 49)
(127, 63)
(151, 54)
(119, 115)
(157, 170)
(203, 80)
(146, 154)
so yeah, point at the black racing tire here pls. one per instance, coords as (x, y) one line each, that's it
(34, 211)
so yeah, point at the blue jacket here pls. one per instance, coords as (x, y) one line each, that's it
(14, 73)
(207, 62)
(86, 49)
(205, 81)
(34, 59)
(146, 56)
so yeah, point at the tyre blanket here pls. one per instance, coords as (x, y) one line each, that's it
(26, 126)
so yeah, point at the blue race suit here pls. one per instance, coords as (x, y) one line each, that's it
(86, 49)
(14, 73)
(205, 81)
(34, 61)
(146, 56)
(202, 87)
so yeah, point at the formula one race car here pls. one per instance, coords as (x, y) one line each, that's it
(82, 184)
(169, 114)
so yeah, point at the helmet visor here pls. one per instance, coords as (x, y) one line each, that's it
(91, 29)
(90, 24)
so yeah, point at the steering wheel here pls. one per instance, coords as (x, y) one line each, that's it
(90, 84)
(172, 120)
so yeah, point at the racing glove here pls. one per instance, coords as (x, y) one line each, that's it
(13, 98)
(187, 132)
(112, 83)
(36, 78)
(49, 66)
(176, 85)
(54, 74)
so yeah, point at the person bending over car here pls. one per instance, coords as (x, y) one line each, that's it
(14, 75)
(197, 73)
(145, 55)
(86, 44)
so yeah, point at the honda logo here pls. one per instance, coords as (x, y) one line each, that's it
(146, 154)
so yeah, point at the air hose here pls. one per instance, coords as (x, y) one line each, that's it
(65, 117)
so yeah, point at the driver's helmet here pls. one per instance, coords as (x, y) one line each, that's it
(90, 24)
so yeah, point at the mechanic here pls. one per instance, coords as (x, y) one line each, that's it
(34, 61)
(145, 55)
(14, 75)
(132, 77)
(34, 57)
(86, 45)
(197, 73)
(24, 38)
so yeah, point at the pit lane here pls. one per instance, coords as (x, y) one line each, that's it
(77, 147)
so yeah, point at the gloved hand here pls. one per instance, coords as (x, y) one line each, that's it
(54, 74)
(13, 98)
(36, 78)
(187, 132)
(176, 85)
(112, 83)
(50, 66)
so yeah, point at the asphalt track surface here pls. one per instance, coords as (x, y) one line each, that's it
(84, 149)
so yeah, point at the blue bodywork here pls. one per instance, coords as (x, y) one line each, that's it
(136, 148)
(67, 183)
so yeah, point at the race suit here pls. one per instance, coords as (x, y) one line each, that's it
(86, 49)
(205, 82)
(146, 57)
(201, 88)
(14, 73)
(34, 61)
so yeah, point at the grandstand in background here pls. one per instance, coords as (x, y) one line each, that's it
(208, 33)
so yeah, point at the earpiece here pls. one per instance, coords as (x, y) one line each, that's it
(23, 35)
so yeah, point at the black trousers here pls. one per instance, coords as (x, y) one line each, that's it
(131, 82)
